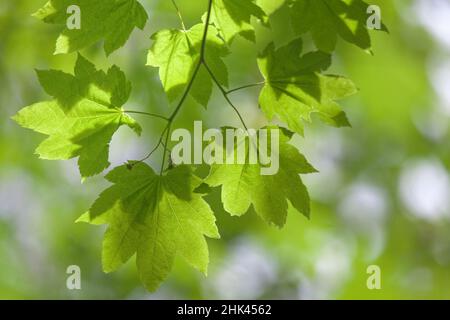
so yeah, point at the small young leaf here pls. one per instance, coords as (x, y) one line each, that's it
(110, 20)
(295, 89)
(155, 217)
(83, 116)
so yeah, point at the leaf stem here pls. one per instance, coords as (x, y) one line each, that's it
(190, 84)
(225, 94)
(146, 114)
(165, 148)
(164, 138)
(160, 141)
(247, 86)
(179, 15)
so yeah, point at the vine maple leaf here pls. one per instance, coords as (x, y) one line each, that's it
(295, 89)
(243, 185)
(326, 19)
(177, 53)
(82, 118)
(110, 20)
(156, 218)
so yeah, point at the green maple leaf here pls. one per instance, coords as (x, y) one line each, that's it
(177, 53)
(110, 20)
(270, 6)
(326, 19)
(295, 89)
(233, 17)
(243, 185)
(82, 118)
(156, 218)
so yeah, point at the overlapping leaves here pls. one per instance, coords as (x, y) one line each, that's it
(295, 88)
(328, 19)
(244, 185)
(157, 217)
(233, 17)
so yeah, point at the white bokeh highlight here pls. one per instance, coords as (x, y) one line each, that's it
(424, 188)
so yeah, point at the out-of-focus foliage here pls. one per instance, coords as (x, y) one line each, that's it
(381, 197)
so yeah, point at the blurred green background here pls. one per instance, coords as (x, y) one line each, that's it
(382, 196)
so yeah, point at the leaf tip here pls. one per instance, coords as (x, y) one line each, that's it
(84, 218)
(15, 118)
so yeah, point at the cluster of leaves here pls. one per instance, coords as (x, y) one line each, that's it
(156, 216)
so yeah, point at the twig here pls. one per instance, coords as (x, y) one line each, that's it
(225, 94)
(179, 15)
(191, 81)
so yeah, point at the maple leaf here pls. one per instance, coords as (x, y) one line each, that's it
(177, 53)
(110, 20)
(295, 89)
(82, 118)
(326, 19)
(156, 218)
(270, 6)
(233, 17)
(243, 185)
